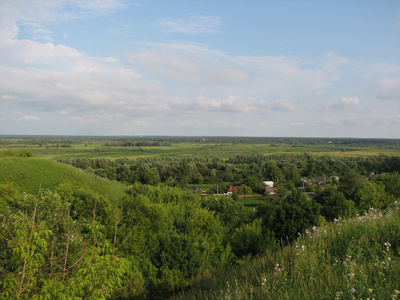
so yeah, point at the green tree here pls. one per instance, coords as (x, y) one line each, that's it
(370, 195)
(289, 215)
(333, 203)
(46, 254)
(391, 183)
(349, 183)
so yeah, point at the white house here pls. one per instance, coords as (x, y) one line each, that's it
(268, 183)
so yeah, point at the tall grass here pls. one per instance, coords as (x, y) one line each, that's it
(349, 259)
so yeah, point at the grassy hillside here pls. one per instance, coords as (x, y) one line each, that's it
(28, 174)
(355, 259)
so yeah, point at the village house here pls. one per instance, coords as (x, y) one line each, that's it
(197, 189)
(269, 187)
(232, 189)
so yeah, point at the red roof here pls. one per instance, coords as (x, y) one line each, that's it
(234, 188)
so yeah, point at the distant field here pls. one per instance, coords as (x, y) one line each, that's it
(79, 147)
(196, 150)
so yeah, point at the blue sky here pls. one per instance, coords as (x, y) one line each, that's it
(310, 68)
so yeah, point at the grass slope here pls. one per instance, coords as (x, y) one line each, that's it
(351, 259)
(28, 174)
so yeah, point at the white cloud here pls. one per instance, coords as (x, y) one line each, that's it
(7, 97)
(283, 105)
(39, 15)
(157, 84)
(160, 81)
(29, 118)
(220, 72)
(194, 24)
(204, 105)
(389, 88)
(343, 104)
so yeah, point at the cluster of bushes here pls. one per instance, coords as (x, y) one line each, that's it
(76, 243)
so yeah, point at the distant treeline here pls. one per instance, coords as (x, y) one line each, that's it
(167, 140)
(138, 144)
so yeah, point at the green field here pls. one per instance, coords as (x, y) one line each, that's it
(56, 148)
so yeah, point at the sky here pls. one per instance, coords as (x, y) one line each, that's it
(289, 68)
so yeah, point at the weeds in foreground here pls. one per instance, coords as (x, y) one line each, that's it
(350, 259)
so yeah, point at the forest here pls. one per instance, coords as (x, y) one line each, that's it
(158, 235)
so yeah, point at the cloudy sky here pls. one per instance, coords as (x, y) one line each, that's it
(308, 68)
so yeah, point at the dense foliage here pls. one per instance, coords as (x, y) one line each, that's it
(244, 169)
(160, 236)
(354, 258)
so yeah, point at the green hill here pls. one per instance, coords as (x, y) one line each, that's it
(29, 174)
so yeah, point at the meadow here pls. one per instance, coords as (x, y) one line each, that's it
(349, 259)
(32, 174)
(56, 148)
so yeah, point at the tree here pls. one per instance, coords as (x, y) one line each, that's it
(391, 183)
(45, 252)
(289, 215)
(273, 172)
(369, 195)
(333, 203)
(349, 183)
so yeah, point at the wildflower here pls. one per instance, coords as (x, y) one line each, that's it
(389, 258)
(353, 290)
(297, 253)
(350, 256)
